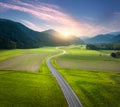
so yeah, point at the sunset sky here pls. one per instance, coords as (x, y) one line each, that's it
(77, 17)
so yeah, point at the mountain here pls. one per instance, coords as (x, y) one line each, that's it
(16, 35)
(104, 38)
(115, 33)
(60, 38)
(51, 32)
(84, 38)
(116, 39)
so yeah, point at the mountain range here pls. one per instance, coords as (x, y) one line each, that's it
(109, 38)
(16, 35)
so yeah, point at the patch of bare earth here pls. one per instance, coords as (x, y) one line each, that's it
(24, 62)
(90, 65)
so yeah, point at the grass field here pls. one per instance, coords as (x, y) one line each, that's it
(6, 54)
(24, 60)
(28, 89)
(23, 89)
(40, 89)
(82, 59)
(94, 89)
(108, 66)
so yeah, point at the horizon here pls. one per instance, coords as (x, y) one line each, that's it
(81, 18)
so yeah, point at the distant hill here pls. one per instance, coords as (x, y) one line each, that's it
(51, 32)
(16, 35)
(116, 39)
(84, 38)
(65, 40)
(104, 38)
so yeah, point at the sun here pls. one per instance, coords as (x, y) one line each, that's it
(66, 34)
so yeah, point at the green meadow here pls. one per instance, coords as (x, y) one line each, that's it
(25, 80)
(94, 89)
(5, 54)
(24, 86)
(24, 60)
(93, 75)
(22, 89)
(81, 59)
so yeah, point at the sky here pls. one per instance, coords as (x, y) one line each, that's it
(70, 17)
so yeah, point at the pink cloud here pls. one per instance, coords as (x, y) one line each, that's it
(31, 25)
(53, 15)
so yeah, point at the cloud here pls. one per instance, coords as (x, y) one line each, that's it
(54, 16)
(31, 25)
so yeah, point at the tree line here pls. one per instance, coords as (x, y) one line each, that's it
(103, 46)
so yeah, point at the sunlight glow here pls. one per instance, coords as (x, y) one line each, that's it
(66, 34)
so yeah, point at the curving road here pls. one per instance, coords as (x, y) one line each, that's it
(69, 94)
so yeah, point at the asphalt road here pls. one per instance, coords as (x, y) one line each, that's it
(69, 94)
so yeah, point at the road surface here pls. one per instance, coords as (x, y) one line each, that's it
(69, 94)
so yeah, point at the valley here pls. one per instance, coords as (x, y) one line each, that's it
(59, 53)
(24, 86)
(94, 78)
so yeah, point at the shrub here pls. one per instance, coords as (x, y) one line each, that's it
(115, 54)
